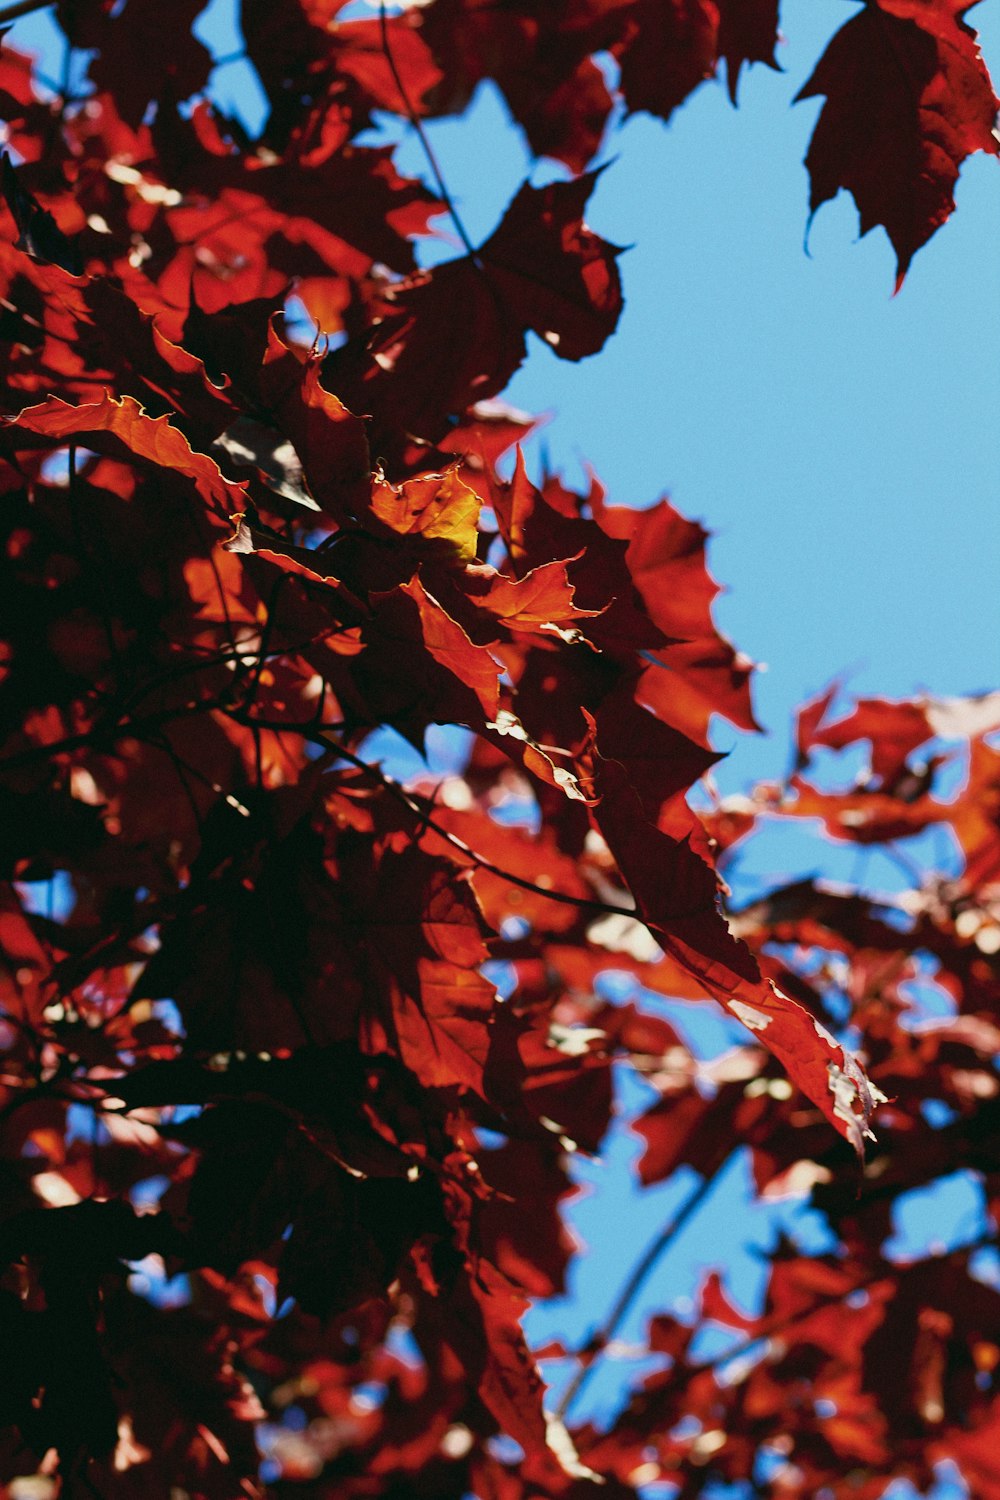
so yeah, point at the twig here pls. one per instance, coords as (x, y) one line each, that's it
(598, 1342)
(229, 57)
(905, 863)
(399, 792)
(770, 1326)
(22, 8)
(428, 150)
(100, 738)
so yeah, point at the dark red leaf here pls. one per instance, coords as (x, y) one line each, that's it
(908, 98)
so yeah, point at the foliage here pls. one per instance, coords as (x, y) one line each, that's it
(320, 1042)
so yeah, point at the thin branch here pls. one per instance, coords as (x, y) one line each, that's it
(182, 769)
(414, 805)
(562, 898)
(428, 150)
(229, 57)
(903, 861)
(265, 638)
(599, 1340)
(22, 8)
(100, 738)
(774, 1325)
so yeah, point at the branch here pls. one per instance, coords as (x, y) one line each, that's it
(599, 1340)
(22, 8)
(415, 806)
(100, 738)
(428, 150)
(770, 1326)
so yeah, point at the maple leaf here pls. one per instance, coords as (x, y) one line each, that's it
(559, 276)
(329, 440)
(38, 234)
(908, 98)
(666, 52)
(117, 426)
(539, 603)
(555, 91)
(697, 672)
(164, 376)
(481, 1322)
(865, 816)
(342, 66)
(135, 62)
(542, 269)
(808, 718)
(533, 1253)
(483, 435)
(546, 63)
(429, 933)
(747, 34)
(675, 893)
(536, 528)
(421, 667)
(21, 104)
(659, 761)
(976, 816)
(437, 508)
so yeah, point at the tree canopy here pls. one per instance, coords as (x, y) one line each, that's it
(299, 1052)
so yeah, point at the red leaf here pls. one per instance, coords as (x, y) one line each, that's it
(676, 897)
(449, 645)
(535, 531)
(669, 47)
(895, 730)
(138, 61)
(38, 234)
(748, 33)
(808, 719)
(863, 817)
(716, 1305)
(555, 91)
(660, 762)
(908, 98)
(976, 816)
(558, 277)
(438, 508)
(427, 931)
(330, 441)
(542, 269)
(539, 603)
(159, 372)
(112, 426)
(697, 673)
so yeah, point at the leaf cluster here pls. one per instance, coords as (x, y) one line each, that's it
(298, 1051)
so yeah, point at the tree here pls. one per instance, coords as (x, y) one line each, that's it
(320, 1041)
